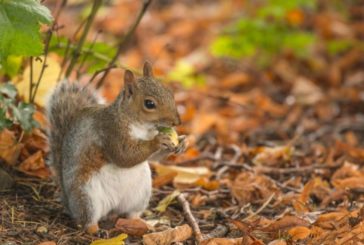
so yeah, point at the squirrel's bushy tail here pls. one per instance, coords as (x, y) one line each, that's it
(64, 104)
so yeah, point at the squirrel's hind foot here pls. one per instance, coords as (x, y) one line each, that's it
(96, 231)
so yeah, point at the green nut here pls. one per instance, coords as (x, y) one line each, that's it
(171, 133)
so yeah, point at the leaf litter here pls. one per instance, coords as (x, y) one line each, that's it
(277, 155)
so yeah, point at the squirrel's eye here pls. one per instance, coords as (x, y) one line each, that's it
(149, 104)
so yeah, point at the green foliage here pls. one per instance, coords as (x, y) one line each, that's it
(264, 34)
(185, 73)
(95, 55)
(19, 30)
(12, 113)
(337, 46)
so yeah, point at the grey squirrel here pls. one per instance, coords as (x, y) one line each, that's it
(100, 153)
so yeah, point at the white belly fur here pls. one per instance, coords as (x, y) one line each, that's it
(124, 190)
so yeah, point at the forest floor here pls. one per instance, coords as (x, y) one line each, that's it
(275, 155)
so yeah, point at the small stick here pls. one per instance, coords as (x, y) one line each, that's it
(219, 231)
(261, 208)
(77, 52)
(190, 218)
(124, 40)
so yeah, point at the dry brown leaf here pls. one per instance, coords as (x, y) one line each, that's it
(251, 188)
(306, 92)
(185, 175)
(295, 17)
(278, 242)
(47, 243)
(177, 234)
(286, 222)
(133, 227)
(9, 148)
(272, 155)
(35, 166)
(356, 234)
(243, 227)
(234, 79)
(315, 185)
(207, 184)
(328, 220)
(246, 240)
(36, 141)
(162, 180)
(349, 183)
(299, 232)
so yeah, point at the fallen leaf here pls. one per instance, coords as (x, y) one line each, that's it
(315, 185)
(165, 202)
(9, 148)
(133, 227)
(349, 183)
(278, 242)
(242, 226)
(49, 79)
(207, 184)
(231, 241)
(47, 243)
(119, 240)
(286, 222)
(250, 188)
(234, 79)
(177, 234)
(37, 140)
(35, 166)
(185, 175)
(162, 180)
(299, 232)
(295, 17)
(272, 155)
(327, 220)
(306, 92)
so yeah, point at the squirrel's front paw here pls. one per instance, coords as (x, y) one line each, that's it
(182, 144)
(165, 142)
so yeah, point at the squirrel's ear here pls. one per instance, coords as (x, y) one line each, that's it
(147, 69)
(129, 82)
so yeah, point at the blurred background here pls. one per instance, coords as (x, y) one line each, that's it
(271, 95)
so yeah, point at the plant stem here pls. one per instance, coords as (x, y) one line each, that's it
(76, 53)
(124, 40)
(31, 78)
(46, 49)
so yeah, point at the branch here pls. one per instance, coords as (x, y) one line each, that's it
(46, 49)
(76, 53)
(190, 218)
(124, 41)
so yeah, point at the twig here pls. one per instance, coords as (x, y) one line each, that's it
(64, 60)
(261, 208)
(124, 41)
(301, 170)
(190, 218)
(77, 52)
(79, 70)
(219, 231)
(46, 49)
(97, 73)
(31, 78)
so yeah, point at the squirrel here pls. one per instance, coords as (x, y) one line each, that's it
(99, 153)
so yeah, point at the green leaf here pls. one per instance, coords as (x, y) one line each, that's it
(4, 121)
(19, 27)
(185, 73)
(8, 89)
(23, 114)
(11, 65)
